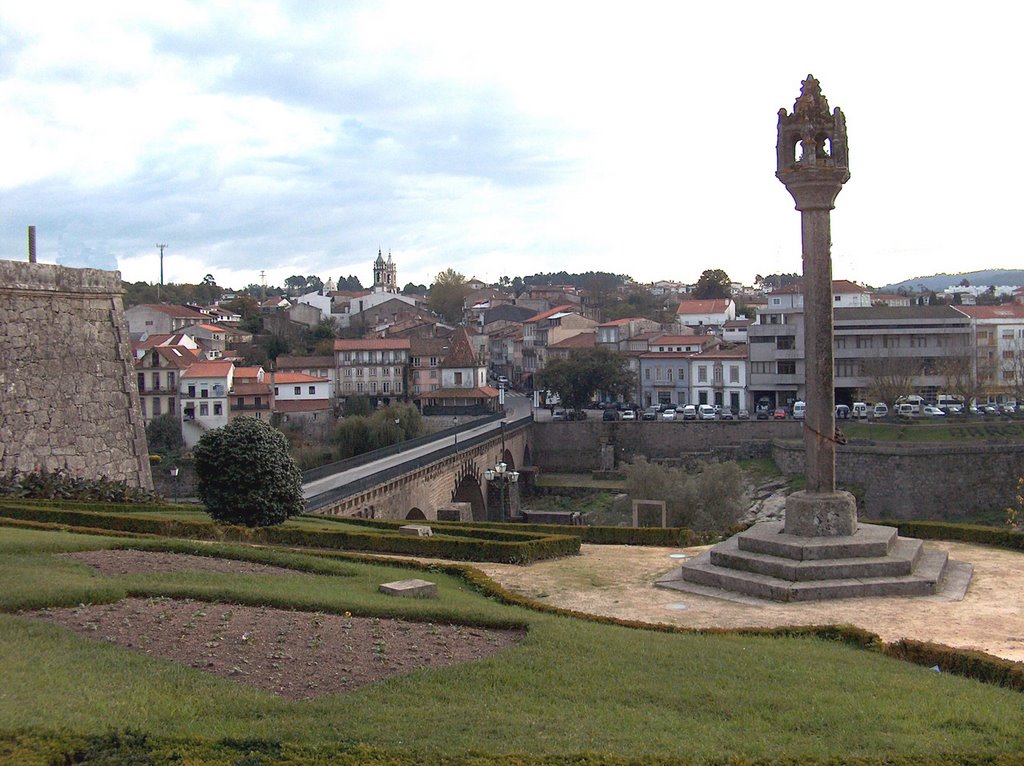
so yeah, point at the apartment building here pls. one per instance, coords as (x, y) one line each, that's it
(374, 367)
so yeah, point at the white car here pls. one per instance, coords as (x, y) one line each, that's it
(629, 414)
(669, 414)
(931, 411)
(706, 412)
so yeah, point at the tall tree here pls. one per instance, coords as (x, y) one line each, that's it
(713, 283)
(349, 283)
(586, 371)
(447, 294)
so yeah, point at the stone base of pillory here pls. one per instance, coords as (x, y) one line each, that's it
(410, 589)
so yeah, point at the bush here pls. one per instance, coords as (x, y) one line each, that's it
(163, 434)
(708, 501)
(62, 484)
(245, 475)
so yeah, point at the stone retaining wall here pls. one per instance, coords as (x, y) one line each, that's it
(68, 394)
(575, 446)
(921, 482)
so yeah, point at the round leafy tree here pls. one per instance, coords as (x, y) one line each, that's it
(246, 476)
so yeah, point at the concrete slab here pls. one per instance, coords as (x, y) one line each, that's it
(410, 589)
(416, 530)
(869, 541)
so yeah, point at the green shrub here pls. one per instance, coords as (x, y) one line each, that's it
(63, 484)
(711, 500)
(246, 476)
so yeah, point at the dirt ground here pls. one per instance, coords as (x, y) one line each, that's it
(297, 655)
(618, 581)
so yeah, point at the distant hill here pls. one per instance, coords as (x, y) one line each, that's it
(939, 282)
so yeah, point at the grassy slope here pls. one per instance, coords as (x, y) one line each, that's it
(571, 686)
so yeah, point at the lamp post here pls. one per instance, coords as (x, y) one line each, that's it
(398, 425)
(455, 424)
(174, 475)
(503, 476)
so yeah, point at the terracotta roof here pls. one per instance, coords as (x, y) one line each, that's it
(670, 340)
(582, 340)
(208, 370)
(714, 306)
(150, 342)
(549, 313)
(247, 372)
(211, 327)
(302, 405)
(296, 377)
(299, 362)
(744, 322)
(1003, 311)
(483, 392)
(180, 357)
(620, 322)
(724, 353)
(460, 351)
(371, 344)
(176, 311)
(841, 286)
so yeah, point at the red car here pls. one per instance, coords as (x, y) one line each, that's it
(780, 413)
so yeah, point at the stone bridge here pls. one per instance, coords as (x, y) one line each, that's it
(422, 477)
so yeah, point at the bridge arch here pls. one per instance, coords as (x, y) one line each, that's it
(468, 490)
(415, 514)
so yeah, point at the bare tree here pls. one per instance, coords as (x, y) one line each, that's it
(890, 377)
(967, 373)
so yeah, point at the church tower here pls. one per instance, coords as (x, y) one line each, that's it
(385, 275)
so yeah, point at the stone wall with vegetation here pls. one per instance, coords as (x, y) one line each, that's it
(936, 482)
(576, 446)
(68, 396)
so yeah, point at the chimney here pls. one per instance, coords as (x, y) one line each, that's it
(31, 244)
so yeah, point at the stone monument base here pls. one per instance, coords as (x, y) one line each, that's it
(821, 514)
(768, 562)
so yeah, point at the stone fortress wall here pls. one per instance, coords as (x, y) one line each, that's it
(68, 394)
(895, 482)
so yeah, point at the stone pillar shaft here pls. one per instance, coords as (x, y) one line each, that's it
(819, 418)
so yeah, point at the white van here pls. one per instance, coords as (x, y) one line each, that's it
(907, 410)
(914, 401)
(706, 412)
(859, 410)
(799, 408)
(881, 410)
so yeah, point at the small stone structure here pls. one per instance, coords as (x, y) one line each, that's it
(410, 589)
(658, 505)
(416, 530)
(68, 393)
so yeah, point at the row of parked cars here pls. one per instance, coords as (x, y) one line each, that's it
(669, 412)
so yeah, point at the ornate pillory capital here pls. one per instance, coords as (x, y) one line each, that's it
(812, 154)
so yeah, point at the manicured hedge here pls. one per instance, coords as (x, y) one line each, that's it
(966, 533)
(510, 549)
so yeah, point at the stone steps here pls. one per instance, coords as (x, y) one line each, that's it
(874, 561)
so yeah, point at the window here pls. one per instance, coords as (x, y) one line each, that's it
(170, 380)
(458, 378)
(785, 343)
(142, 404)
(846, 368)
(647, 373)
(918, 341)
(156, 380)
(204, 409)
(837, 299)
(373, 387)
(312, 390)
(240, 401)
(433, 361)
(142, 381)
(786, 368)
(204, 393)
(192, 392)
(864, 341)
(1008, 354)
(415, 361)
(386, 386)
(297, 390)
(276, 392)
(891, 341)
(702, 373)
(217, 409)
(761, 368)
(170, 405)
(734, 373)
(257, 401)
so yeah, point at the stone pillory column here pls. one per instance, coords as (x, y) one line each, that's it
(813, 164)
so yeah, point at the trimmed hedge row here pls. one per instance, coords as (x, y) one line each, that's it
(36, 748)
(965, 533)
(466, 548)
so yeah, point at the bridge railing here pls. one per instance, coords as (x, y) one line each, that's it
(413, 464)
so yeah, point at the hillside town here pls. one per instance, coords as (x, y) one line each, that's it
(738, 353)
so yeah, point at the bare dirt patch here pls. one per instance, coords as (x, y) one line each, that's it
(124, 562)
(297, 655)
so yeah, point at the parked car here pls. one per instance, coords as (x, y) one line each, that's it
(799, 408)
(1007, 409)
(763, 413)
(669, 414)
(779, 413)
(558, 415)
(651, 413)
(859, 410)
(880, 410)
(629, 414)
(706, 412)
(743, 415)
(727, 414)
(843, 411)
(906, 410)
(689, 412)
(610, 415)
(931, 411)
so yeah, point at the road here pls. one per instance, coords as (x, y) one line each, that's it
(516, 405)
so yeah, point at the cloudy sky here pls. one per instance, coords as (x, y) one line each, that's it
(298, 137)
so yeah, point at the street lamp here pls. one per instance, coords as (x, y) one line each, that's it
(455, 424)
(503, 476)
(174, 475)
(398, 425)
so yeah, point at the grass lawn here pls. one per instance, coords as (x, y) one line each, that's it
(940, 430)
(571, 686)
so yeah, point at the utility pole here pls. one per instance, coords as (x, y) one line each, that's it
(161, 272)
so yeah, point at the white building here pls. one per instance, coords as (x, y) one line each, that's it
(706, 313)
(204, 392)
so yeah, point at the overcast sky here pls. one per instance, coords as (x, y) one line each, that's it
(499, 139)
